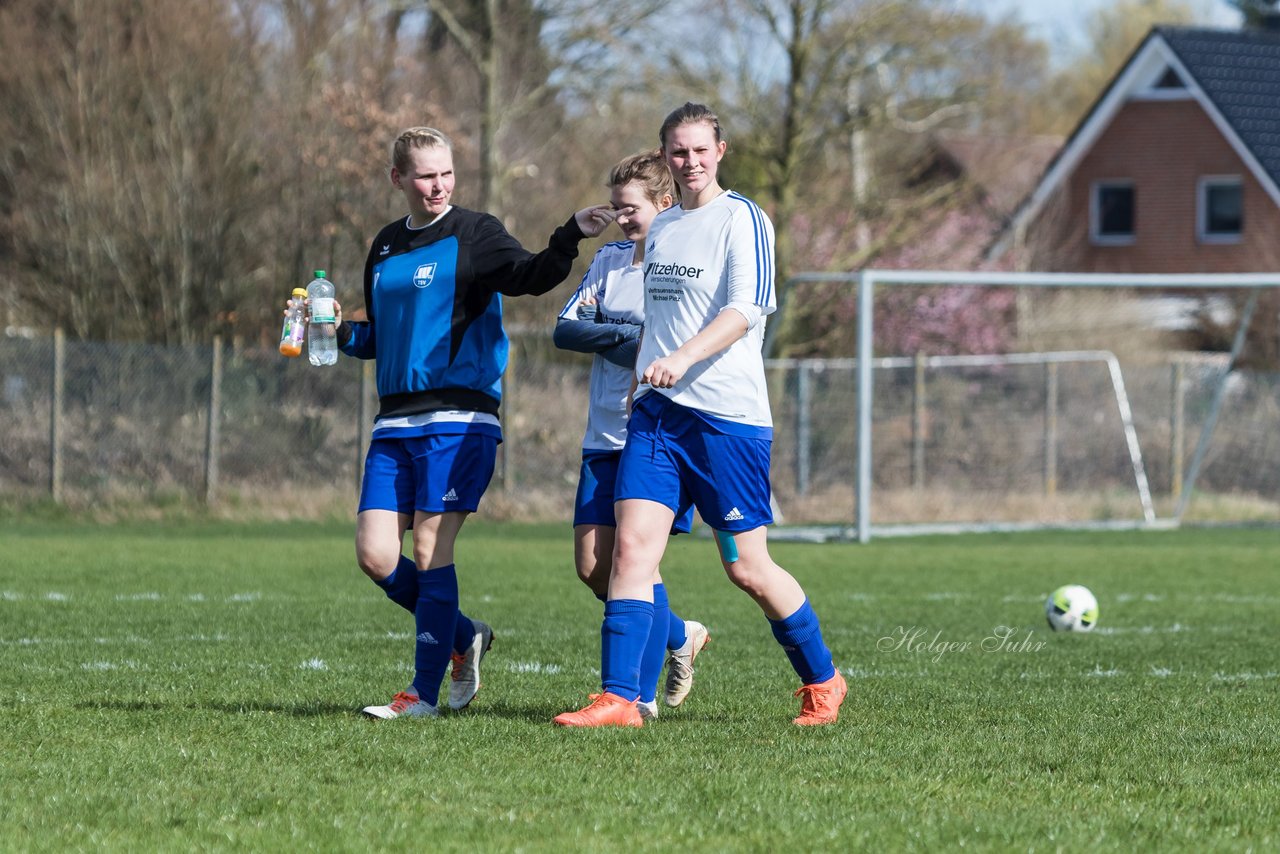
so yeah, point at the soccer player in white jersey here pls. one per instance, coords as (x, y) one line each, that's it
(604, 317)
(700, 430)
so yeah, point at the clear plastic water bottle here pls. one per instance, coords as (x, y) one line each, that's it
(322, 335)
(295, 325)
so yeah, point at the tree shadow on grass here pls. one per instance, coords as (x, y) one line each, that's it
(533, 713)
(300, 709)
(543, 712)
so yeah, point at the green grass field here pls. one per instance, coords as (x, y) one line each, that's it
(196, 686)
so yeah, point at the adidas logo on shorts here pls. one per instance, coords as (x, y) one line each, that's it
(734, 515)
(450, 496)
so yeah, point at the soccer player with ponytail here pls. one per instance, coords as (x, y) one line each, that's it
(701, 430)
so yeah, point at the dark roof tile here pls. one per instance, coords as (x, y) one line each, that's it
(1239, 70)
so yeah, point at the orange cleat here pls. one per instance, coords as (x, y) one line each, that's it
(821, 703)
(605, 710)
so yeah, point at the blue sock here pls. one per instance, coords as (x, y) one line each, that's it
(623, 636)
(655, 650)
(801, 638)
(401, 585)
(435, 616)
(676, 635)
(464, 632)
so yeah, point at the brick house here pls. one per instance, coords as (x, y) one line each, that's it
(1175, 168)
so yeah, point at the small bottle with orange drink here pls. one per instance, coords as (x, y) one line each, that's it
(295, 324)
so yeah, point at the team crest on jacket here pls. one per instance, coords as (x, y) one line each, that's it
(424, 274)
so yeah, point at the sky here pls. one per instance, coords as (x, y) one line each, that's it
(1061, 22)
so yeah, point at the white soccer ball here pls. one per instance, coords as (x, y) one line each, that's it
(1071, 608)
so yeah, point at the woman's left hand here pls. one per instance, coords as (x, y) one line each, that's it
(595, 219)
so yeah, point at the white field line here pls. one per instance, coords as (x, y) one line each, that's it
(1174, 628)
(936, 596)
(537, 668)
(533, 667)
(147, 596)
(127, 664)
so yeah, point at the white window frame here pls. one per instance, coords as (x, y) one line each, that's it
(1203, 185)
(1095, 213)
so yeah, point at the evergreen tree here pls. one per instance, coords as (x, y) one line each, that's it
(1259, 14)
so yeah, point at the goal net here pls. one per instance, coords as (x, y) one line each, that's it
(949, 401)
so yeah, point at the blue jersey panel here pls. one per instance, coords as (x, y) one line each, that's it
(413, 293)
(482, 356)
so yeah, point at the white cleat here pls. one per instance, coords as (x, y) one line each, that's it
(680, 662)
(464, 678)
(648, 711)
(402, 705)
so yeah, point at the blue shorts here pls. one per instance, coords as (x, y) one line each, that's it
(679, 458)
(593, 504)
(440, 473)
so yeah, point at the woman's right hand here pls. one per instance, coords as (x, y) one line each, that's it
(666, 371)
(595, 219)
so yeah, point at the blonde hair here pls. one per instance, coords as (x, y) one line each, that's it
(649, 170)
(415, 138)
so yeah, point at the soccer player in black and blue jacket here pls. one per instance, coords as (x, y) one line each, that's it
(433, 287)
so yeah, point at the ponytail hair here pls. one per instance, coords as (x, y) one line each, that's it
(415, 138)
(649, 170)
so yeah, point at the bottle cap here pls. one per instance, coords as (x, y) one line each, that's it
(319, 274)
(299, 292)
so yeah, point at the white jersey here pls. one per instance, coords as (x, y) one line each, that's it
(697, 264)
(617, 286)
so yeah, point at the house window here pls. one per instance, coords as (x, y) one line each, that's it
(1113, 213)
(1167, 85)
(1220, 209)
(1170, 80)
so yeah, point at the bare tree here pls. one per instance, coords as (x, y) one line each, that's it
(522, 56)
(131, 162)
(1112, 34)
(829, 100)
(341, 82)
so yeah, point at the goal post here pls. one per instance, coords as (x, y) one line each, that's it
(1043, 324)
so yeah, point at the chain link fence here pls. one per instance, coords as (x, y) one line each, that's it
(92, 423)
